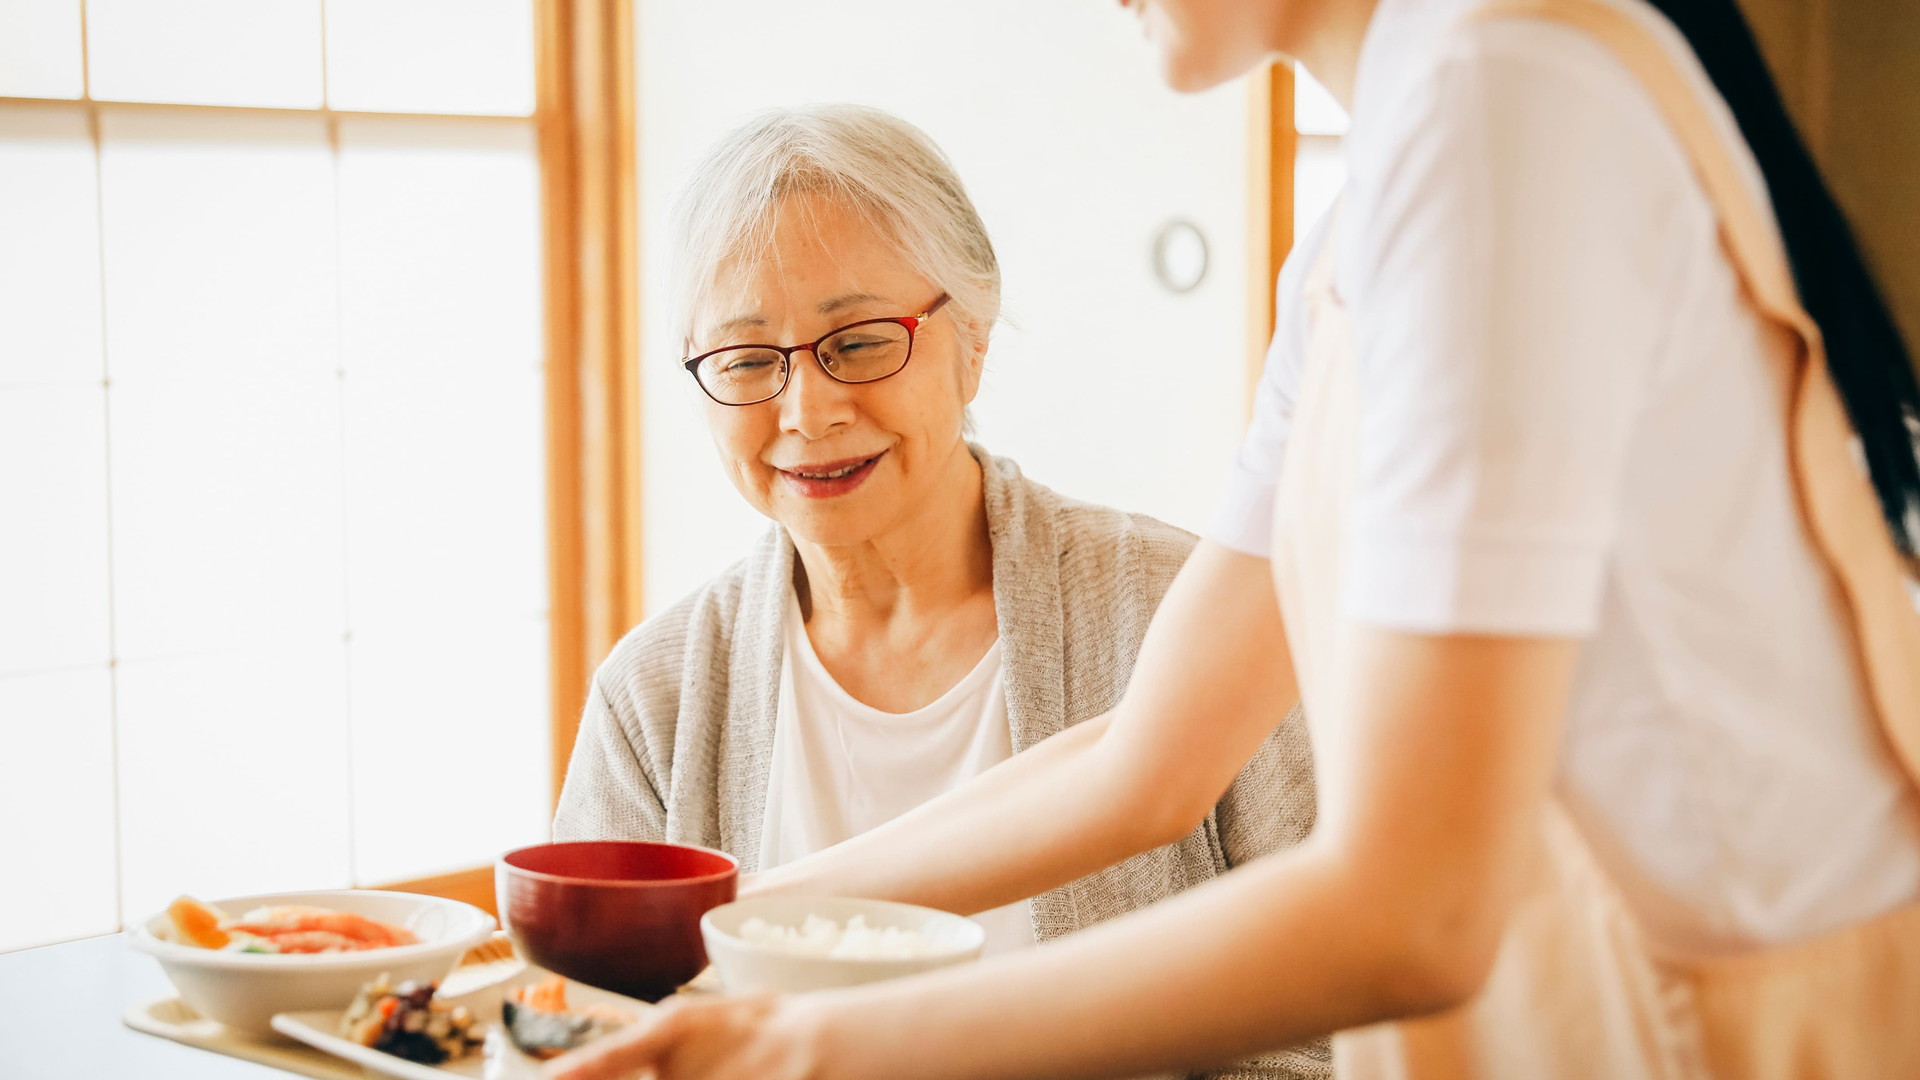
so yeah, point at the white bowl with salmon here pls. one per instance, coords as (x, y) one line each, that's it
(242, 960)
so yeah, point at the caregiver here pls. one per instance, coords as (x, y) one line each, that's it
(1585, 481)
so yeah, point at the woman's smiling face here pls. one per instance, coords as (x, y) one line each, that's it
(836, 464)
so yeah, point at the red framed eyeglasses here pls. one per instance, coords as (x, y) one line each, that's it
(862, 352)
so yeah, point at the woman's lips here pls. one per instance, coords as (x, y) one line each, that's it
(826, 479)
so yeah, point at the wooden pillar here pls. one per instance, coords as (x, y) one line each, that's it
(590, 194)
(1272, 144)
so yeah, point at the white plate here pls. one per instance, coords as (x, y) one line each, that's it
(319, 1028)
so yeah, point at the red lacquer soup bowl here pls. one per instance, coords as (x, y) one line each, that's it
(622, 915)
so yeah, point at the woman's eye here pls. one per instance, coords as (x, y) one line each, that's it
(745, 365)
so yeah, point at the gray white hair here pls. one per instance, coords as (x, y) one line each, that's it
(864, 160)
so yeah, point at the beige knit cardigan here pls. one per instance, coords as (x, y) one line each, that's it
(677, 739)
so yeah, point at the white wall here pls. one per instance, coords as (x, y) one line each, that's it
(1103, 385)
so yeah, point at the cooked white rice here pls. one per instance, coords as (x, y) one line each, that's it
(855, 941)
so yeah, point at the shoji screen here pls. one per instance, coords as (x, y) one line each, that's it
(273, 601)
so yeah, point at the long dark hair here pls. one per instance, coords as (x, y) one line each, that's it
(1870, 363)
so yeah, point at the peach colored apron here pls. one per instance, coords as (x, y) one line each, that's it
(1577, 990)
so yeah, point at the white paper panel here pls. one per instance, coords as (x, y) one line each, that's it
(53, 529)
(1074, 154)
(1319, 174)
(49, 246)
(206, 52)
(56, 797)
(40, 49)
(450, 746)
(439, 248)
(219, 246)
(226, 515)
(445, 499)
(233, 775)
(441, 343)
(451, 56)
(1315, 112)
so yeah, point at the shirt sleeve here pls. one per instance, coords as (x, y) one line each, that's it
(1507, 263)
(1244, 519)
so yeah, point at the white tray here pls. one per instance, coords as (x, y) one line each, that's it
(171, 1018)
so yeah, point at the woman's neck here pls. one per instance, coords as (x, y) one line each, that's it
(1327, 42)
(936, 559)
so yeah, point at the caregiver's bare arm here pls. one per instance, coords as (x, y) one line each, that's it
(1196, 709)
(1430, 782)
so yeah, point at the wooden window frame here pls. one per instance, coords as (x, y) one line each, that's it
(590, 195)
(1272, 145)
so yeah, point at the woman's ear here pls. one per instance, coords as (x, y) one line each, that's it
(973, 360)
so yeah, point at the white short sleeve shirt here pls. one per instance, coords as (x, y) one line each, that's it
(1572, 426)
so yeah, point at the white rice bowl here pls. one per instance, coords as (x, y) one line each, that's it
(800, 943)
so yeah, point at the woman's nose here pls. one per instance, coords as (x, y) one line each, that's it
(814, 403)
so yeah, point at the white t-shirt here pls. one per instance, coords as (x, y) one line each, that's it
(841, 767)
(1572, 425)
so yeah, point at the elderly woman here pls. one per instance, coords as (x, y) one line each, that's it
(920, 611)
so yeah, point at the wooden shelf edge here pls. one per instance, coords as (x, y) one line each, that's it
(474, 886)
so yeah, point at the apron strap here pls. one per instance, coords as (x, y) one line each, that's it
(1836, 496)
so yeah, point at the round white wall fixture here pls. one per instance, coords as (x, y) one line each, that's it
(1180, 256)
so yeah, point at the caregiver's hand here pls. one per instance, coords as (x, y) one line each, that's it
(746, 1037)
